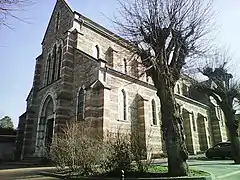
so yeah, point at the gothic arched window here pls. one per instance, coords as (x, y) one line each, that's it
(59, 56)
(154, 116)
(124, 103)
(124, 66)
(109, 56)
(54, 57)
(81, 104)
(48, 68)
(57, 22)
(96, 52)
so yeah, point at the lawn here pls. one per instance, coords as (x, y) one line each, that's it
(153, 171)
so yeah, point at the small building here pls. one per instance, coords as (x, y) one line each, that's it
(7, 143)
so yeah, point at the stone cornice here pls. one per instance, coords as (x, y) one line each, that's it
(142, 83)
(40, 56)
(99, 83)
(29, 94)
(87, 55)
(189, 100)
(127, 77)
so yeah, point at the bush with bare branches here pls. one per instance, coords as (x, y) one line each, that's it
(118, 156)
(85, 154)
(77, 149)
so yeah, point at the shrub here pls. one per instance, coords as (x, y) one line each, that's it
(117, 154)
(77, 149)
(139, 149)
(85, 154)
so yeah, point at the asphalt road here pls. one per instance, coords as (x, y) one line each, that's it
(25, 173)
(220, 169)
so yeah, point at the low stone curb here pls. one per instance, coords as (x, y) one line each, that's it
(101, 178)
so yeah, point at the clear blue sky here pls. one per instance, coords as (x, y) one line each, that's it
(20, 47)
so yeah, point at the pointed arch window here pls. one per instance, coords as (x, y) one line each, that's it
(96, 52)
(48, 69)
(154, 115)
(124, 105)
(81, 104)
(59, 55)
(57, 22)
(54, 57)
(45, 72)
(124, 66)
(109, 56)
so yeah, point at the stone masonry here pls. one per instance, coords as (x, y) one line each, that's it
(85, 72)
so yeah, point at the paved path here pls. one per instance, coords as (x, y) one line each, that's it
(25, 173)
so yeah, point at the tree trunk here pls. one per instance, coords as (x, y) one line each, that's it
(232, 126)
(172, 127)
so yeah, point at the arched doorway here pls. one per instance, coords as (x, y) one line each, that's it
(45, 128)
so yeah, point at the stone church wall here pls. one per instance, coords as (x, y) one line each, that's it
(85, 46)
(113, 121)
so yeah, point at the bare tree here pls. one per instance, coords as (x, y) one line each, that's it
(164, 33)
(8, 8)
(226, 93)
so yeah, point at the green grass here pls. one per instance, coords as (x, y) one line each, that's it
(164, 169)
(153, 171)
(158, 169)
(194, 172)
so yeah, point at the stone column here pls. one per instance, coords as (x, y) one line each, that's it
(29, 144)
(40, 137)
(215, 126)
(64, 112)
(31, 116)
(196, 144)
(20, 137)
(150, 134)
(208, 135)
(106, 112)
(202, 132)
(188, 130)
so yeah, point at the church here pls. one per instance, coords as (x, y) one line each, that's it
(85, 73)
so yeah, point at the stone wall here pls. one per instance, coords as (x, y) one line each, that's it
(136, 114)
(196, 124)
(85, 64)
(39, 88)
(92, 35)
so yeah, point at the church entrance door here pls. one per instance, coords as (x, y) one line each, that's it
(49, 134)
